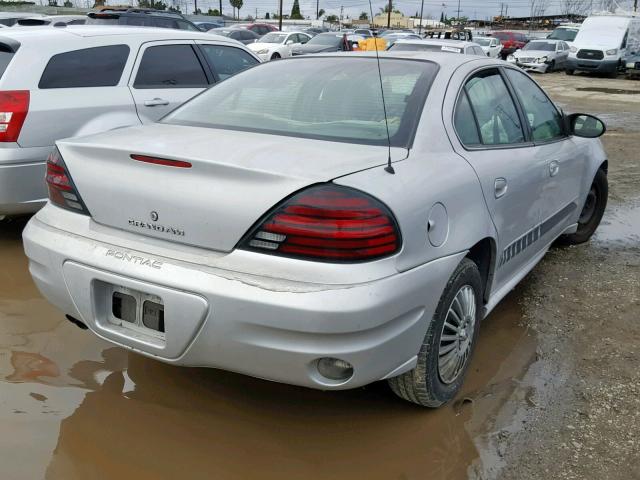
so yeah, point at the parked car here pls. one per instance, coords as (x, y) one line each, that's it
(51, 21)
(392, 37)
(541, 56)
(257, 28)
(602, 43)
(491, 46)
(365, 32)
(241, 35)
(9, 19)
(428, 45)
(139, 17)
(271, 226)
(324, 42)
(276, 45)
(632, 62)
(511, 41)
(567, 33)
(64, 82)
(206, 26)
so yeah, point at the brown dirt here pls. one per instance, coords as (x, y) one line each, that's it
(553, 390)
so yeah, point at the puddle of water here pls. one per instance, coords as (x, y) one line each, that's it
(615, 91)
(620, 225)
(98, 411)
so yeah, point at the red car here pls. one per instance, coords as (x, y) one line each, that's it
(511, 41)
(259, 28)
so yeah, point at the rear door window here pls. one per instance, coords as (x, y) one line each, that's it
(227, 61)
(89, 67)
(495, 112)
(170, 66)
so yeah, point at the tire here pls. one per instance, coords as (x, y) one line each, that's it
(275, 56)
(424, 385)
(551, 68)
(569, 72)
(592, 211)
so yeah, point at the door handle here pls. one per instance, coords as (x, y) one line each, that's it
(554, 168)
(500, 187)
(156, 102)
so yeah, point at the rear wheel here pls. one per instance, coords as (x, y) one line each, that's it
(592, 211)
(448, 344)
(275, 56)
(569, 72)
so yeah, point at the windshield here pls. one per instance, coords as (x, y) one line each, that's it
(423, 47)
(544, 46)
(326, 39)
(273, 37)
(322, 98)
(563, 34)
(483, 42)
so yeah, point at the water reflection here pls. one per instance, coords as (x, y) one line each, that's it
(98, 411)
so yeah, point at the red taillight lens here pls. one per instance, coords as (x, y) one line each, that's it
(14, 106)
(327, 223)
(62, 191)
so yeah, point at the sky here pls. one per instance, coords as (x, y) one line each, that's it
(480, 9)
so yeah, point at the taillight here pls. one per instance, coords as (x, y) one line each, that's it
(327, 223)
(14, 106)
(62, 191)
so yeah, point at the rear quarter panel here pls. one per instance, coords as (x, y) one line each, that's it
(433, 173)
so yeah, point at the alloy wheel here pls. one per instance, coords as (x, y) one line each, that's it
(457, 335)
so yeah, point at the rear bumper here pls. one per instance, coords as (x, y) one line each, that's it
(226, 320)
(597, 66)
(22, 186)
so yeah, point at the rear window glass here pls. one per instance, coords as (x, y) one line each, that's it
(89, 67)
(227, 61)
(324, 98)
(424, 47)
(170, 66)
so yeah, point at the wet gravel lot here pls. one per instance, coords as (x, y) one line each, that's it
(553, 390)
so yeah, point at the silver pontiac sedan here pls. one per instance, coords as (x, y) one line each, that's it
(273, 226)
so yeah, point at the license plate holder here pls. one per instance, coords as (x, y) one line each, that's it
(136, 310)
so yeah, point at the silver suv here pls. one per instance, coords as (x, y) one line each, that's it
(59, 83)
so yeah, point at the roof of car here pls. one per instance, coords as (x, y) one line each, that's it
(445, 60)
(436, 41)
(150, 33)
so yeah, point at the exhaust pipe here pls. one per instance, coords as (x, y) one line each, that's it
(77, 322)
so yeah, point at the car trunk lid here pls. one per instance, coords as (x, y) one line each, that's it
(234, 178)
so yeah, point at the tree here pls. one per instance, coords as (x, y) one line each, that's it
(538, 7)
(332, 18)
(572, 8)
(363, 16)
(158, 5)
(68, 4)
(266, 16)
(321, 12)
(442, 17)
(295, 11)
(213, 13)
(237, 5)
(174, 9)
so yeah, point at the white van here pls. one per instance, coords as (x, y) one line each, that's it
(602, 43)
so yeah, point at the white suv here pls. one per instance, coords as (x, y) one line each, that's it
(66, 82)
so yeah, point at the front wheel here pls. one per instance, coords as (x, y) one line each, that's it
(448, 344)
(551, 68)
(275, 56)
(592, 211)
(569, 72)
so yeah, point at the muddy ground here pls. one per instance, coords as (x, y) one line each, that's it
(553, 390)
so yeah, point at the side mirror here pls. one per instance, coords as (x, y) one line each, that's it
(585, 125)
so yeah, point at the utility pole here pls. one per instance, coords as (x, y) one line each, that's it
(221, 8)
(341, 16)
(458, 19)
(195, 7)
(421, 12)
(280, 17)
(317, 9)
(389, 14)
(635, 5)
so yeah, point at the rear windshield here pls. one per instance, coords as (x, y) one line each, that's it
(563, 34)
(336, 99)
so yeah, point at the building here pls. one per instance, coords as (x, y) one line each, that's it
(398, 20)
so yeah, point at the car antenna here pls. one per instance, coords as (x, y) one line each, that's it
(389, 167)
